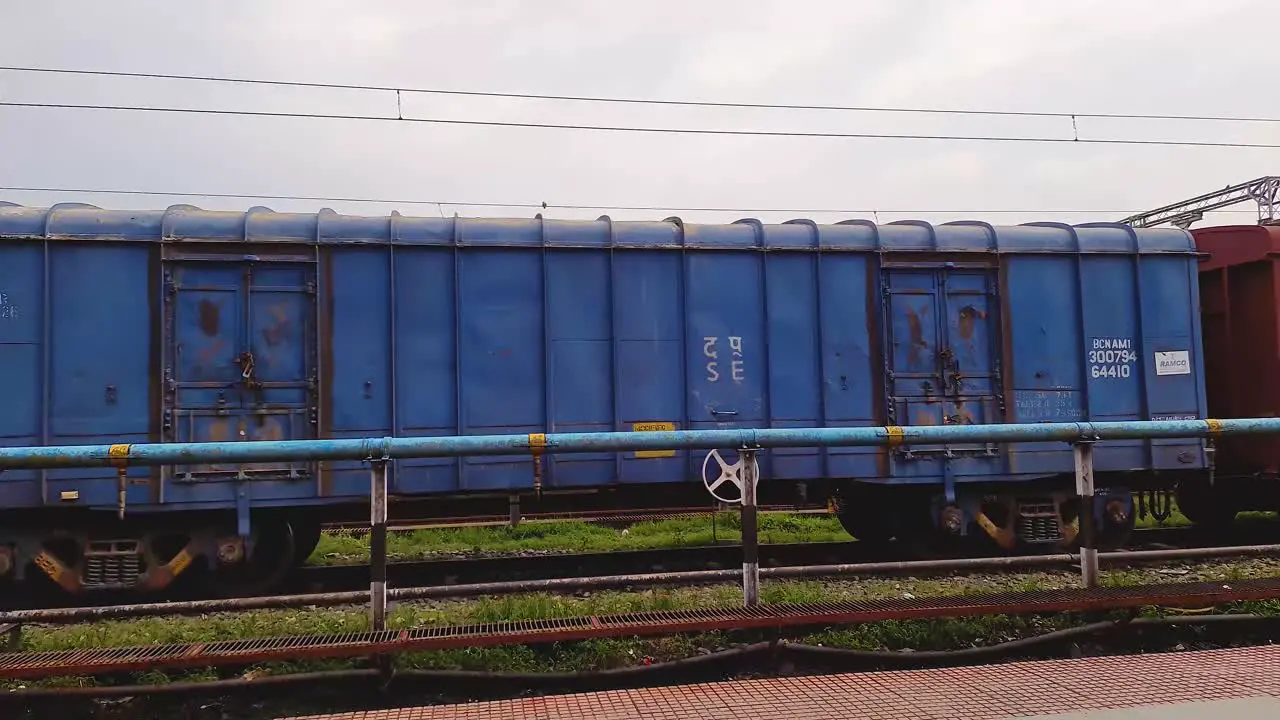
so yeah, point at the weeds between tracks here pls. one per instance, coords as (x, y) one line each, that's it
(607, 653)
(615, 652)
(577, 537)
(571, 536)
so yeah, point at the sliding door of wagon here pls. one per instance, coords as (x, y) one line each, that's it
(240, 357)
(942, 366)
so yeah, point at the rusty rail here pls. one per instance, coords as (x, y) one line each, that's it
(608, 582)
(776, 617)
(600, 517)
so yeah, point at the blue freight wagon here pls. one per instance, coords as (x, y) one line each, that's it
(195, 325)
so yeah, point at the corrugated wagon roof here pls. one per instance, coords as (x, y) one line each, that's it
(186, 223)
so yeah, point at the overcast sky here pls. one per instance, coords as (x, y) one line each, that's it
(1117, 56)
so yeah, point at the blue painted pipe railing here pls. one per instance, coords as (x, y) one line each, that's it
(416, 447)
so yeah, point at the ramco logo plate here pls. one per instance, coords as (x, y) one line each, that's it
(1173, 362)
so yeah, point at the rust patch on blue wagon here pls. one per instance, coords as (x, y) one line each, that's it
(969, 315)
(281, 328)
(207, 357)
(210, 317)
(917, 343)
(218, 429)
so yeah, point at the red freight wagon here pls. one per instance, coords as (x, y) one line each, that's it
(1240, 321)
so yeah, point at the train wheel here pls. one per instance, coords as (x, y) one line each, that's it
(1203, 505)
(863, 513)
(916, 533)
(1112, 533)
(272, 558)
(1117, 525)
(306, 536)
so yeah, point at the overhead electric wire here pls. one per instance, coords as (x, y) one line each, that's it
(620, 128)
(640, 129)
(642, 101)
(318, 198)
(569, 206)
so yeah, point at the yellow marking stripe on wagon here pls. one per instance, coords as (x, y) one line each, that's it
(180, 562)
(655, 426)
(1215, 426)
(119, 455)
(51, 567)
(537, 442)
(896, 435)
(56, 571)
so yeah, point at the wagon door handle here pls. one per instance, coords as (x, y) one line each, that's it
(718, 413)
(245, 361)
(247, 366)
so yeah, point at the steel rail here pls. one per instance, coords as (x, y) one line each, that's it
(606, 582)
(765, 617)
(602, 517)
(464, 569)
(769, 657)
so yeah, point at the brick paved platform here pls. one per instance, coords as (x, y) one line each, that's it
(1241, 684)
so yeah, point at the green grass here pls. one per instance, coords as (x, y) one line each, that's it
(573, 536)
(1175, 519)
(585, 656)
(576, 536)
(569, 657)
(612, 653)
(540, 538)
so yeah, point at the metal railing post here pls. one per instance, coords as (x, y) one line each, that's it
(750, 530)
(513, 510)
(378, 545)
(1082, 453)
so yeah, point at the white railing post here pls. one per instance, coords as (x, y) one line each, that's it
(1082, 453)
(750, 530)
(378, 545)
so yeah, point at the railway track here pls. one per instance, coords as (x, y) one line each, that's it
(600, 517)
(96, 661)
(532, 568)
(454, 571)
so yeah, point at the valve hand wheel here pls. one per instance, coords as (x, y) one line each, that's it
(724, 473)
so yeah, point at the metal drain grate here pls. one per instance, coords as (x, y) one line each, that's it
(243, 652)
